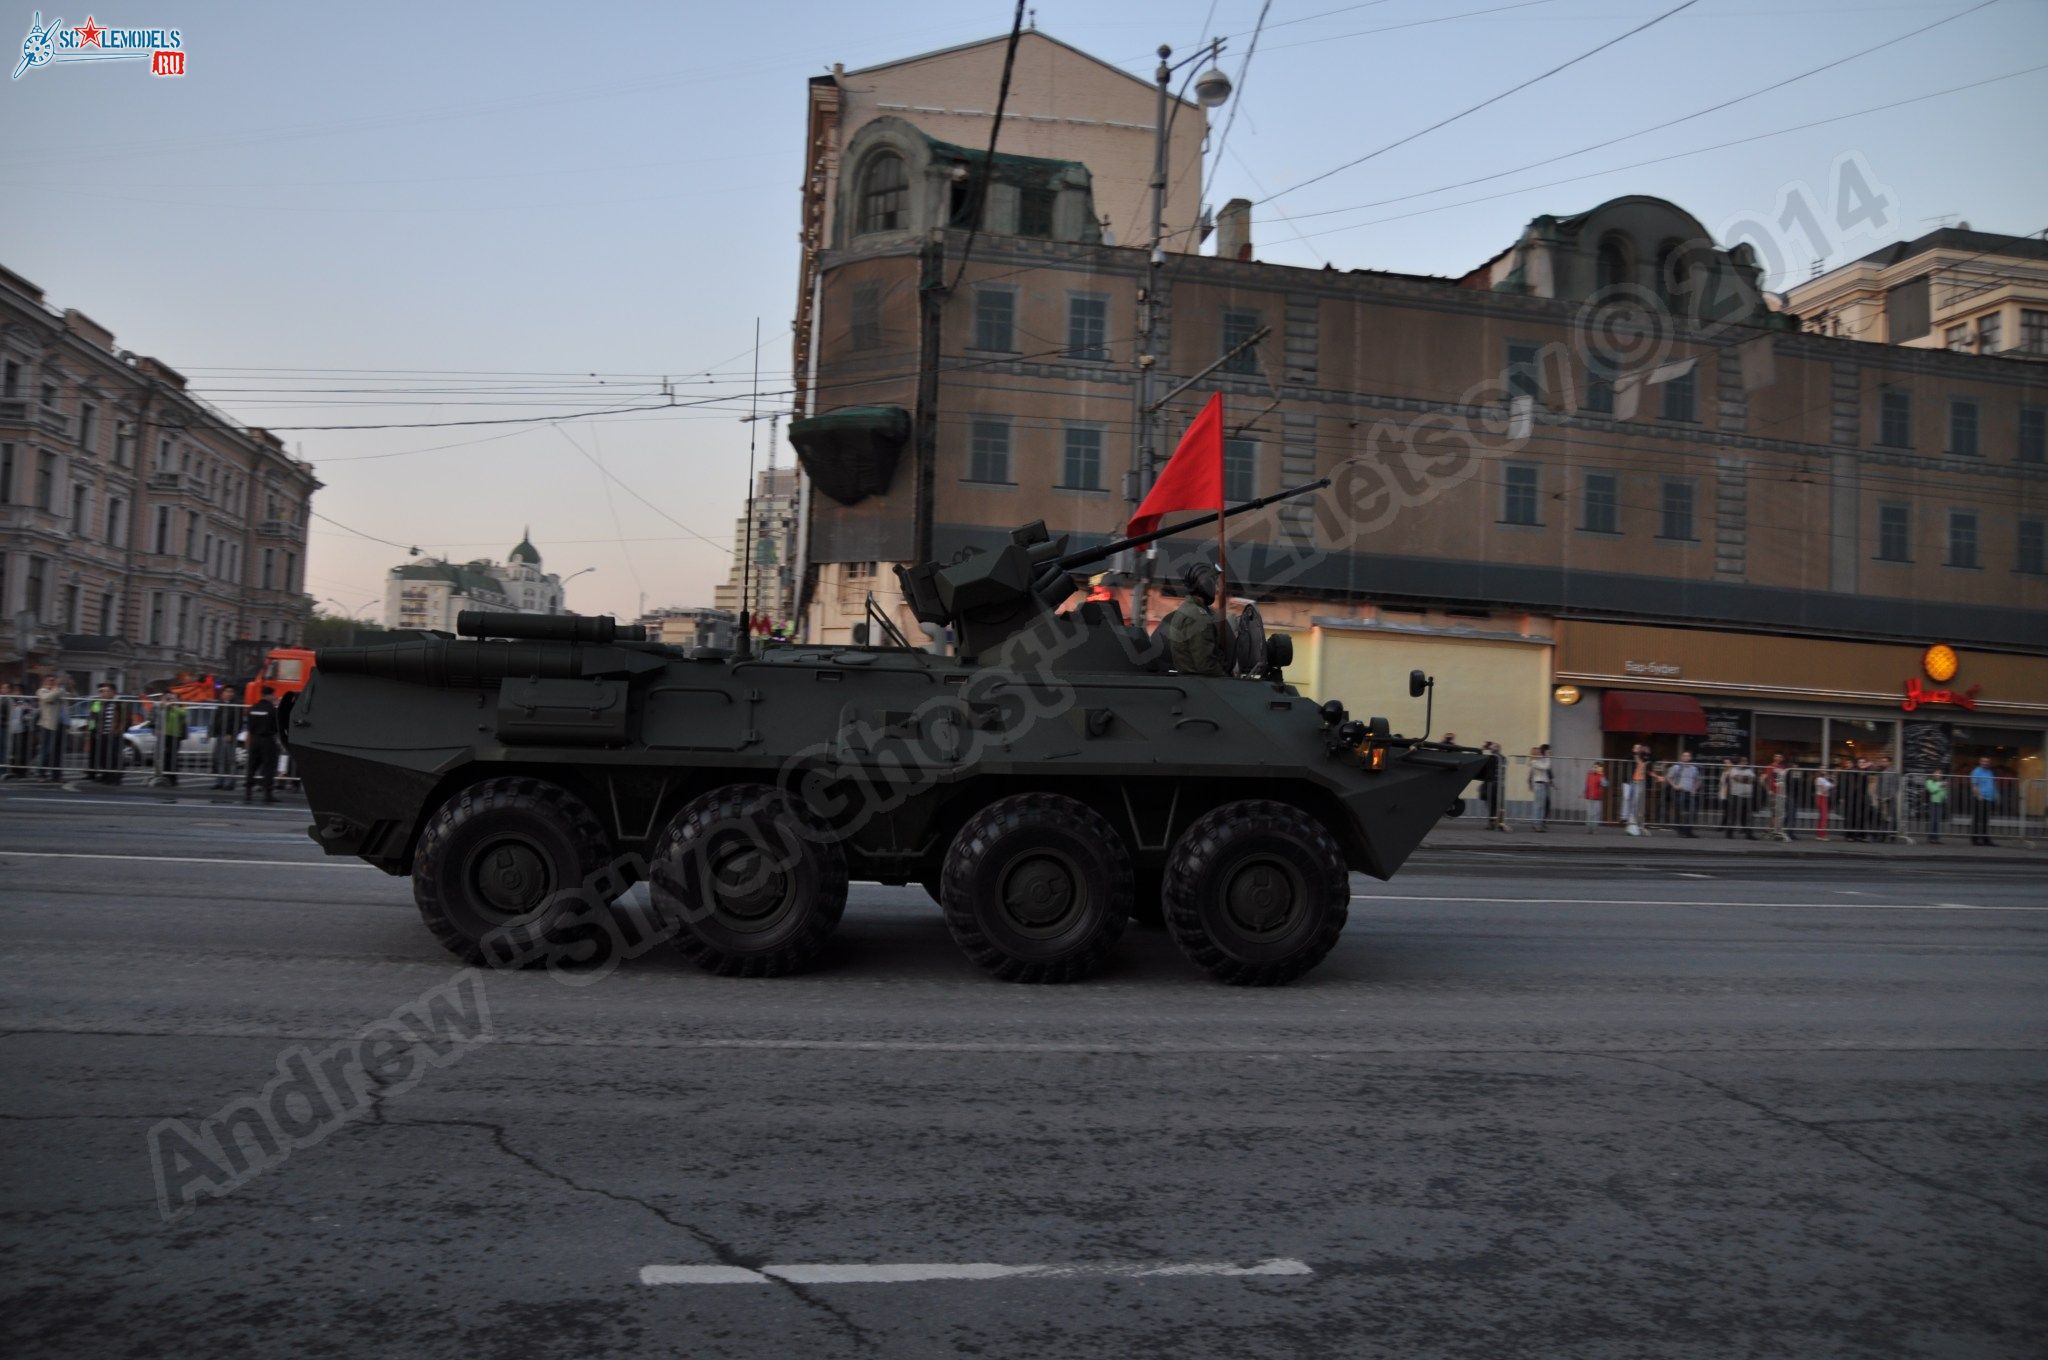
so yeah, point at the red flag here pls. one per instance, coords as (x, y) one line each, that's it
(1193, 478)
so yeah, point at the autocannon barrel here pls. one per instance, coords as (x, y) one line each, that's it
(479, 623)
(441, 661)
(1088, 557)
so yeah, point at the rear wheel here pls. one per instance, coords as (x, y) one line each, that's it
(1256, 893)
(1037, 888)
(502, 866)
(756, 885)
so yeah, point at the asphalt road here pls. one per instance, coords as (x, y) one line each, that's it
(1532, 1105)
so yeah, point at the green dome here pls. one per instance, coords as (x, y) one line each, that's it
(524, 551)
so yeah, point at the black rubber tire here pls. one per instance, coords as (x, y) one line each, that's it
(776, 930)
(537, 831)
(1070, 854)
(1281, 847)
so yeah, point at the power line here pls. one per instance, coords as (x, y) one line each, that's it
(988, 166)
(1493, 99)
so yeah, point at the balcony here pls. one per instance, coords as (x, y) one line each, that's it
(277, 528)
(166, 481)
(13, 411)
(56, 422)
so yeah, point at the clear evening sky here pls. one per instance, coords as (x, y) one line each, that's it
(351, 196)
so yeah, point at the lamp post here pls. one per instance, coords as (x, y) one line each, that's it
(564, 586)
(1212, 88)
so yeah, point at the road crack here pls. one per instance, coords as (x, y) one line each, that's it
(722, 1252)
(1824, 1129)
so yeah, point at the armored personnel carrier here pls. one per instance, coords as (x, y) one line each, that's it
(1045, 781)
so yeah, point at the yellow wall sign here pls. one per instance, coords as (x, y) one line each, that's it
(1940, 663)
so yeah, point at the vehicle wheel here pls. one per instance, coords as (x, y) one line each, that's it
(496, 868)
(755, 885)
(1037, 888)
(1256, 893)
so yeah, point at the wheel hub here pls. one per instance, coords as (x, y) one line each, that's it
(750, 887)
(511, 877)
(1263, 896)
(1040, 892)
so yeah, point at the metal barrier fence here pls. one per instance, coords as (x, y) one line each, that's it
(1756, 802)
(149, 739)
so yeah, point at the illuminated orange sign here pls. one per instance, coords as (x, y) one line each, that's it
(1940, 663)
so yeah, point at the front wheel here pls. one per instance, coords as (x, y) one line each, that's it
(1037, 888)
(503, 865)
(1256, 893)
(755, 884)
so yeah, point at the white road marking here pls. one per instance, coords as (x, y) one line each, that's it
(147, 802)
(192, 859)
(1626, 902)
(1683, 874)
(911, 1272)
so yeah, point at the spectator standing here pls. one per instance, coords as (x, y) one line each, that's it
(1855, 794)
(1682, 777)
(1539, 784)
(1596, 795)
(1738, 787)
(1936, 789)
(1777, 783)
(1633, 792)
(221, 723)
(17, 719)
(104, 723)
(1823, 797)
(1983, 794)
(1884, 798)
(50, 728)
(1495, 785)
(261, 729)
(170, 734)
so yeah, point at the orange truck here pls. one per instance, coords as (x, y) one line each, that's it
(285, 671)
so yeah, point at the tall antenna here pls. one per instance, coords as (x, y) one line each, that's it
(743, 645)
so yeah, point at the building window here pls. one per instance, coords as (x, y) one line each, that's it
(1034, 212)
(10, 384)
(1611, 267)
(50, 395)
(1518, 495)
(117, 515)
(162, 542)
(2033, 434)
(192, 535)
(867, 316)
(6, 487)
(1894, 533)
(1087, 327)
(1677, 510)
(884, 195)
(1988, 328)
(1602, 504)
(1082, 470)
(1238, 329)
(1240, 469)
(1521, 377)
(1681, 396)
(88, 425)
(1962, 427)
(124, 444)
(1962, 538)
(269, 566)
(1895, 418)
(156, 617)
(81, 510)
(1599, 399)
(995, 319)
(46, 482)
(37, 601)
(988, 457)
(2032, 545)
(859, 571)
(1958, 338)
(2033, 331)
(110, 623)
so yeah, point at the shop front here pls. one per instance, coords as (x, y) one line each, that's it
(1925, 708)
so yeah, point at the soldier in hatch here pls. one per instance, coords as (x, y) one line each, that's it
(1197, 641)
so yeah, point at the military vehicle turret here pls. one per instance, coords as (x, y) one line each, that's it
(1043, 781)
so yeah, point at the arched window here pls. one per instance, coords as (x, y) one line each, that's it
(1611, 266)
(884, 195)
(1674, 270)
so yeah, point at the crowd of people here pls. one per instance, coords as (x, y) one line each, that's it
(1866, 800)
(52, 730)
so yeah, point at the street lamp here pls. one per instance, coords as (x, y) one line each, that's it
(564, 585)
(1212, 88)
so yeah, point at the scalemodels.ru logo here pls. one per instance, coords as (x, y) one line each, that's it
(162, 48)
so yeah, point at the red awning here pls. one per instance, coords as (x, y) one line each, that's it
(1628, 710)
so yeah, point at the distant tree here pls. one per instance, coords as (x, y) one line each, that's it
(330, 630)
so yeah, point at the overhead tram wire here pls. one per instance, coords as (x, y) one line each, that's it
(1668, 123)
(1243, 70)
(978, 202)
(1484, 103)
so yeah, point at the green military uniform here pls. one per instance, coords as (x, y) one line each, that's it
(1194, 641)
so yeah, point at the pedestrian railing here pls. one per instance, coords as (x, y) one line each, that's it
(1758, 802)
(146, 739)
